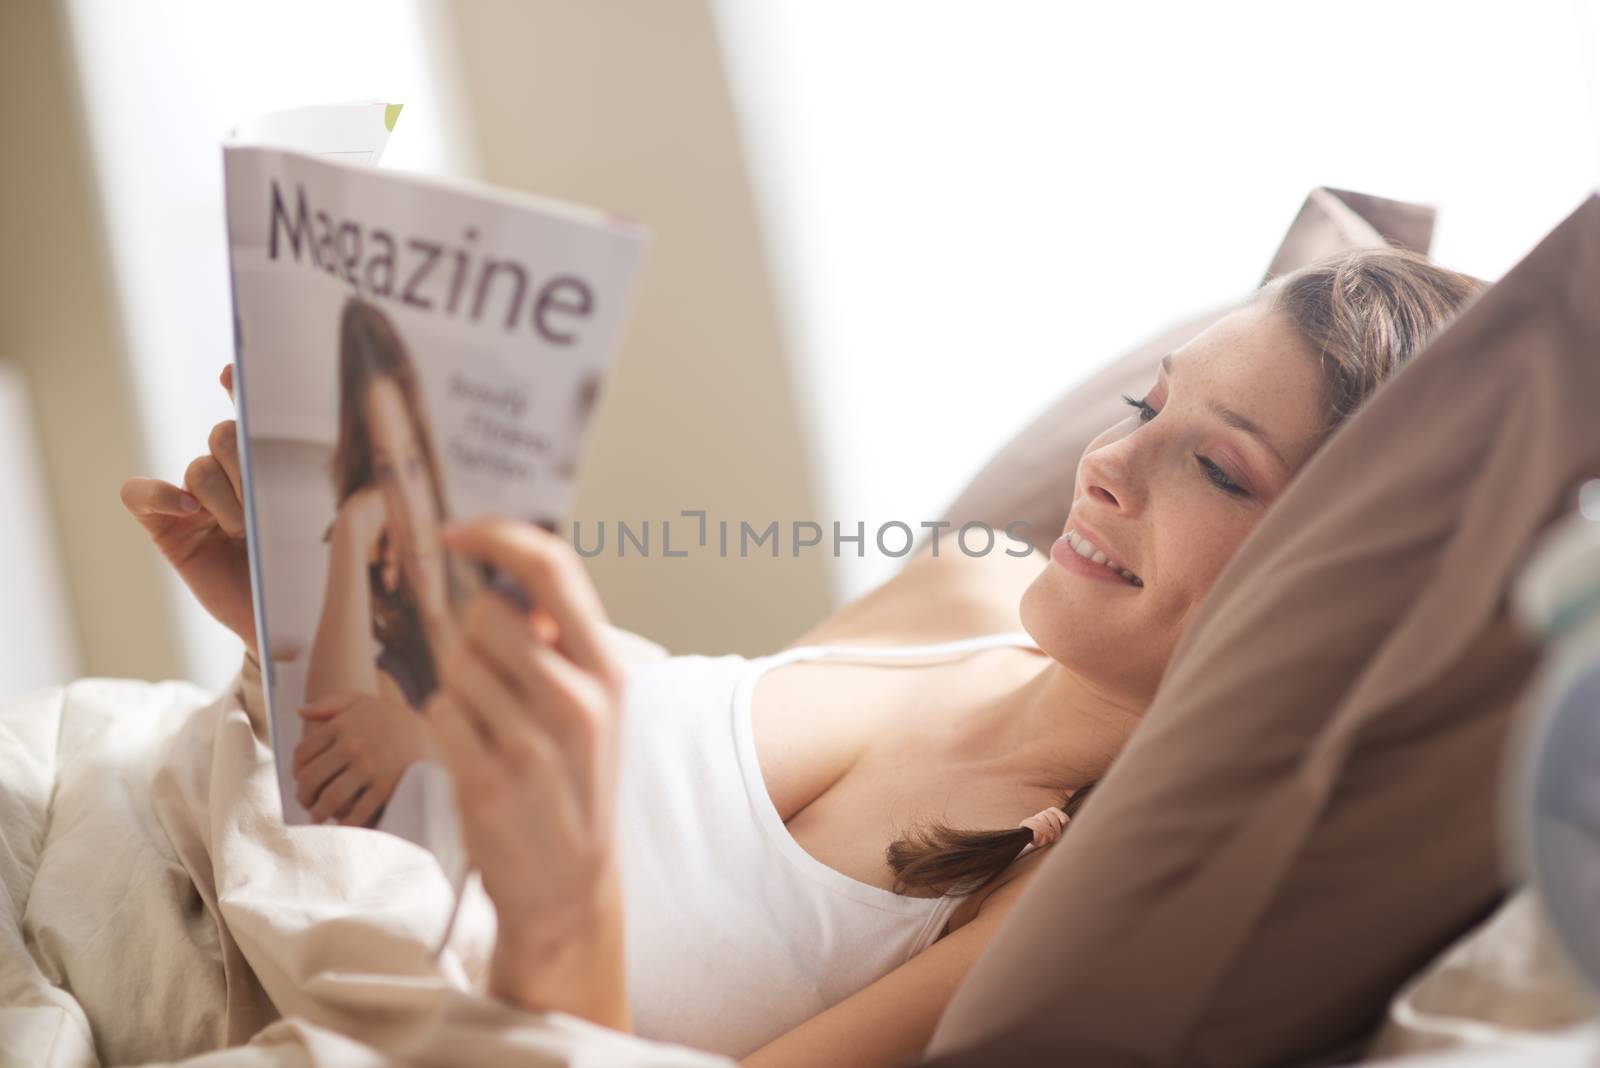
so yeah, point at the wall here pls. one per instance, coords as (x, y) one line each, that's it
(626, 107)
(61, 332)
(168, 79)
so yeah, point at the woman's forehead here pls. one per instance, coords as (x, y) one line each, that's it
(1254, 364)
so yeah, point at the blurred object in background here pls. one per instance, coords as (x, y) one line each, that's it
(1555, 821)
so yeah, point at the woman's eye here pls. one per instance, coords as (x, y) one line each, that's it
(1220, 477)
(1146, 413)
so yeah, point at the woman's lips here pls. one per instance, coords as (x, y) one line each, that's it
(1062, 552)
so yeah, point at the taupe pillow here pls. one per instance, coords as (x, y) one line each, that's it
(1031, 477)
(1307, 814)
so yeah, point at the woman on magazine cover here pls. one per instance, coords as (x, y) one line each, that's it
(387, 612)
(821, 842)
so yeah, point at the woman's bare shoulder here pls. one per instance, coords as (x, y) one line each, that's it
(934, 598)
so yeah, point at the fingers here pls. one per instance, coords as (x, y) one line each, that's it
(226, 378)
(508, 640)
(519, 777)
(488, 777)
(317, 773)
(554, 578)
(492, 708)
(224, 445)
(311, 745)
(366, 807)
(212, 482)
(339, 794)
(208, 482)
(555, 693)
(151, 496)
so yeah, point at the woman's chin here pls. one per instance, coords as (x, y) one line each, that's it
(1051, 610)
(1060, 610)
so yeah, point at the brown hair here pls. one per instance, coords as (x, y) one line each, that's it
(370, 349)
(1364, 313)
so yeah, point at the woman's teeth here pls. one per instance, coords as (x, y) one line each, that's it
(1094, 554)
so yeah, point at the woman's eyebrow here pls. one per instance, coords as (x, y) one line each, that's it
(1236, 420)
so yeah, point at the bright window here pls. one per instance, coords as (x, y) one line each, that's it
(163, 82)
(971, 206)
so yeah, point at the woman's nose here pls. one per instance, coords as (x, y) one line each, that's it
(1102, 494)
(1106, 476)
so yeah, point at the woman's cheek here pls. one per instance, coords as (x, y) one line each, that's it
(1217, 550)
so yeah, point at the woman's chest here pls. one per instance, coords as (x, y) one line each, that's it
(855, 755)
(817, 729)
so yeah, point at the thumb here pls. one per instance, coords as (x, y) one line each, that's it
(146, 497)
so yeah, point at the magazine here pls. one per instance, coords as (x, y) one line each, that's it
(408, 351)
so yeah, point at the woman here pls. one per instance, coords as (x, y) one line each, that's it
(796, 859)
(387, 579)
(387, 611)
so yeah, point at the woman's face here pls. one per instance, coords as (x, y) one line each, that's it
(1169, 493)
(400, 469)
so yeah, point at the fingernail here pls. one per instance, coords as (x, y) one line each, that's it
(188, 502)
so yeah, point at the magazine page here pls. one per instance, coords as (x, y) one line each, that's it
(356, 132)
(409, 351)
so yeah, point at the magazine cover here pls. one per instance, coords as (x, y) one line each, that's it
(408, 351)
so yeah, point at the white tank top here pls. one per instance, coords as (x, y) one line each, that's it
(735, 934)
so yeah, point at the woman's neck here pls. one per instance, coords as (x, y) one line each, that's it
(1048, 728)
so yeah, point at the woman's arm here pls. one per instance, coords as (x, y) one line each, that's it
(343, 659)
(891, 1021)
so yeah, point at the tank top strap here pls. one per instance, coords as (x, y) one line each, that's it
(1016, 638)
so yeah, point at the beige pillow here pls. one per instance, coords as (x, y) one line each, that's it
(1031, 477)
(1307, 814)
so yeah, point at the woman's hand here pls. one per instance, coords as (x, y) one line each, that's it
(527, 717)
(200, 528)
(355, 749)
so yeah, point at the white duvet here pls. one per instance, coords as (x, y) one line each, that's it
(156, 909)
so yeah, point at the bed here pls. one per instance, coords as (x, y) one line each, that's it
(157, 910)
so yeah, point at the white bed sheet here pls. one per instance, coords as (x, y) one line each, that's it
(157, 910)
